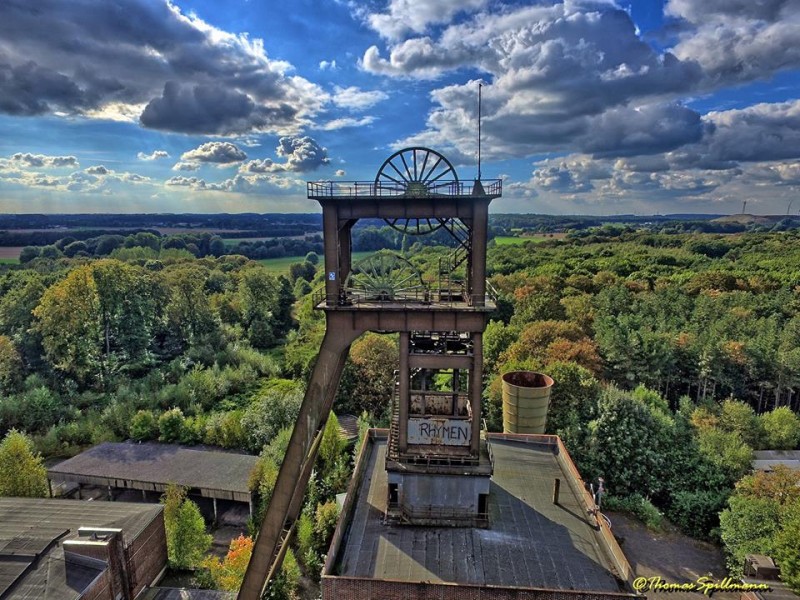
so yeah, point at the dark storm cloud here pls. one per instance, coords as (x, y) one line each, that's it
(112, 58)
(572, 76)
(213, 109)
(650, 129)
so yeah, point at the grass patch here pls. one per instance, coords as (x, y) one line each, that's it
(231, 242)
(512, 240)
(280, 266)
(9, 261)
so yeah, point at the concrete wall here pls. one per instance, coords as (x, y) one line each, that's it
(439, 495)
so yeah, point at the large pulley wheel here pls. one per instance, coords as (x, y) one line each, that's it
(385, 276)
(417, 172)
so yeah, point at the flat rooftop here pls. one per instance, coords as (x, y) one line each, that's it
(531, 542)
(766, 460)
(31, 531)
(152, 467)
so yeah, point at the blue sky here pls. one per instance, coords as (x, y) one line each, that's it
(590, 106)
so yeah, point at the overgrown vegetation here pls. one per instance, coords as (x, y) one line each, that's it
(675, 356)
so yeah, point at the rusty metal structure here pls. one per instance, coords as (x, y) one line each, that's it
(438, 466)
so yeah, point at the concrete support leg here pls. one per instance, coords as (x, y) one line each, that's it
(144, 495)
(50, 487)
(110, 493)
(216, 516)
(80, 497)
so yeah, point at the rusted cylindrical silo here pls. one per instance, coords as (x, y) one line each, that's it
(526, 396)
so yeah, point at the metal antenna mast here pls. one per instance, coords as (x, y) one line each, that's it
(480, 87)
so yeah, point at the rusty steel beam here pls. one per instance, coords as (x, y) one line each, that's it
(292, 477)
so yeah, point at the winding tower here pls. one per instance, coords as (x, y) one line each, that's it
(438, 468)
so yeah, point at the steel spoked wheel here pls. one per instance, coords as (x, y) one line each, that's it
(415, 226)
(385, 276)
(418, 172)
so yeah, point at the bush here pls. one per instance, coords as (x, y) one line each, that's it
(639, 507)
(696, 513)
(326, 517)
(144, 426)
(171, 425)
(22, 471)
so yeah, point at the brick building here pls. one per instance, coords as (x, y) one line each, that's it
(68, 549)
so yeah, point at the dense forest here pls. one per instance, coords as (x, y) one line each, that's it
(675, 354)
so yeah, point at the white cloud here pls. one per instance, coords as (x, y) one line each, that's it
(185, 166)
(26, 159)
(738, 40)
(328, 65)
(572, 76)
(155, 155)
(356, 99)
(344, 122)
(219, 153)
(415, 16)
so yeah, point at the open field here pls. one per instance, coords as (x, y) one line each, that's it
(234, 241)
(10, 254)
(280, 266)
(536, 238)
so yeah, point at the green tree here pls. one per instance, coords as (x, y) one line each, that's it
(740, 418)
(258, 301)
(10, 366)
(781, 429)
(573, 400)
(748, 526)
(368, 378)
(727, 450)
(28, 254)
(624, 446)
(332, 445)
(99, 318)
(187, 540)
(270, 411)
(787, 546)
(22, 472)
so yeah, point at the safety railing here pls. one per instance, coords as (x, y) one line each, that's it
(364, 189)
(422, 297)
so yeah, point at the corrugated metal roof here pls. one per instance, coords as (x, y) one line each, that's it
(129, 464)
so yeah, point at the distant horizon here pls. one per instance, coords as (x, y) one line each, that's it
(178, 214)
